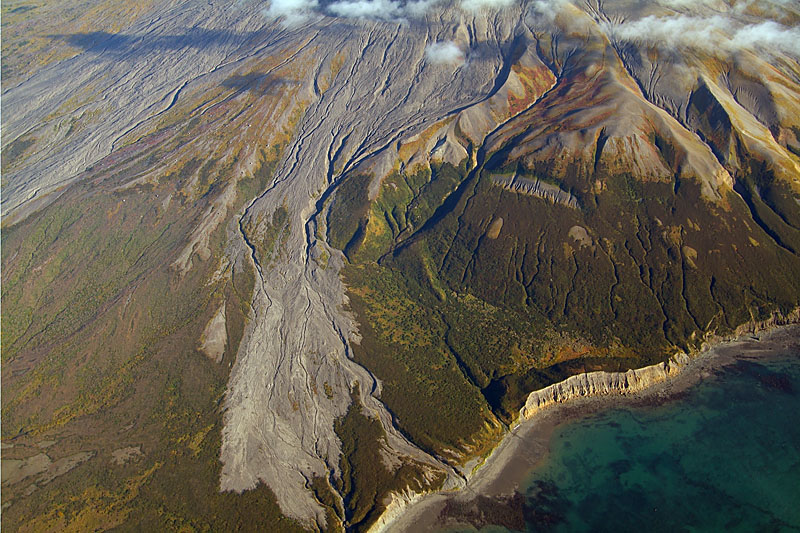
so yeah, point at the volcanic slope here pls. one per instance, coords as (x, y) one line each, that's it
(581, 221)
(320, 265)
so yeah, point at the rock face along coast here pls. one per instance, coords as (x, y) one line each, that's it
(528, 442)
(635, 380)
(601, 383)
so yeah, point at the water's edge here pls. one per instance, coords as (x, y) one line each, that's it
(547, 408)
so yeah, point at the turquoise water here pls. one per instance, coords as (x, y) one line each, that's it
(725, 456)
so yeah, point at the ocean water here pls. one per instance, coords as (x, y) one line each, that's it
(724, 456)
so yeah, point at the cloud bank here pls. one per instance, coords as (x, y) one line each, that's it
(444, 52)
(477, 5)
(547, 9)
(713, 33)
(726, 29)
(293, 12)
(373, 9)
(766, 7)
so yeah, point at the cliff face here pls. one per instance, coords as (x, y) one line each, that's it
(603, 383)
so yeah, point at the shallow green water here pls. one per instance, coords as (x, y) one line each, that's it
(723, 457)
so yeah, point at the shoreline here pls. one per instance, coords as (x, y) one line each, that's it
(528, 443)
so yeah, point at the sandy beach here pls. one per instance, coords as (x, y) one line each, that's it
(528, 443)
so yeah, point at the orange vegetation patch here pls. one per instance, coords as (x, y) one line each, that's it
(536, 82)
(412, 147)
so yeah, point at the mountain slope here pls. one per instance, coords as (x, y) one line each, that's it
(320, 263)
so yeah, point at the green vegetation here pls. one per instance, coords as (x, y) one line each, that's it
(326, 496)
(100, 328)
(365, 477)
(15, 150)
(403, 342)
(99, 341)
(405, 202)
(348, 211)
(460, 327)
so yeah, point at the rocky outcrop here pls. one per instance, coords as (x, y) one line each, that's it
(215, 336)
(398, 504)
(635, 380)
(603, 383)
(536, 187)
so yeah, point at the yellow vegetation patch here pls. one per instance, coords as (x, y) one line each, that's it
(482, 442)
(568, 352)
(522, 359)
(99, 510)
(376, 227)
(326, 80)
(535, 82)
(674, 234)
(87, 403)
(409, 149)
(690, 255)
(385, 313)
(197, 440)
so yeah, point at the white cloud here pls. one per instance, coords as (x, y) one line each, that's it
(781, 9)
(672, 31)
(769, 35)
(398, 10)
(444, 52)
(293, 12)
(713, 33)
(547, 9)
(296, 11)
(381, 9)
(375, 9)
(477, 5)
(679, 4)
(419, 8)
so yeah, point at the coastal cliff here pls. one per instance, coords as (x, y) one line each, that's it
(598, 383)
(602, 383)
(399, 502)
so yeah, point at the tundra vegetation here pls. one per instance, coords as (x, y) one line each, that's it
(470, 324)
(564, 201)
(109, 330)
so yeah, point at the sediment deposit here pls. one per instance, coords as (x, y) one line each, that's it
(279, 428)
